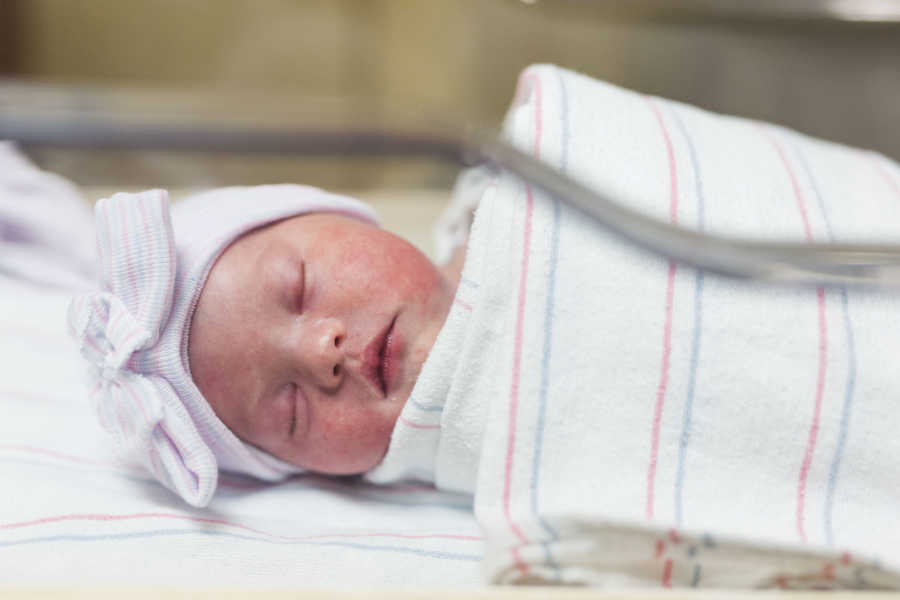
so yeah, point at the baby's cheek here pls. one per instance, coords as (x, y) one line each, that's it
(399, 270)
(355, 437)
(417, 275)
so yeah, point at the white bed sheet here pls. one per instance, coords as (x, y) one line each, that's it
(72, 513)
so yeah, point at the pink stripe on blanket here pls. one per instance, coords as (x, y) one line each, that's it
(517, 345)
(61, 455)
(667, 327)
(462, 303)
(409, 423)
(516, 376)
(822, 350)
(817, 409)
(123, 468)
(241, 526)
(795, 185)
(538, 109)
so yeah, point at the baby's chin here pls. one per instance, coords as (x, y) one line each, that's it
(355, 465)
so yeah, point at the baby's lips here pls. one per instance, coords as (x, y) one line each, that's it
(371, 359)
(392, 360)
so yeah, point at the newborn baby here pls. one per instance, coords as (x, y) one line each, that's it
(263, 330)
(309, 334)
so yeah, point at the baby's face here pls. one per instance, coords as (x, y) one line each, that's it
(309, 335)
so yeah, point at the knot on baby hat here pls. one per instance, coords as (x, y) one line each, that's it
(136, 246)
(133, 331)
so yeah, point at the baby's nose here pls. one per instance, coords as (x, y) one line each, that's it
(324, 353)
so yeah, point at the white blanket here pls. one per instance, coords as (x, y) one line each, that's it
(71, 513)
(627, 420)
(45, 230)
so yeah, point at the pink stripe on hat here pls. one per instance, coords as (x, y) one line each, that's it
(134, 330)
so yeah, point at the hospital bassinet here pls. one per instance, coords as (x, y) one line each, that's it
(102, 522)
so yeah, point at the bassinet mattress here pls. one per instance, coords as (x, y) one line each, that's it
(72, 513)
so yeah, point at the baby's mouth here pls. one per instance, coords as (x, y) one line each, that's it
(386, 359)
(378, 359)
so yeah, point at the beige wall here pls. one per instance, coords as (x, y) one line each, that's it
(461, 56)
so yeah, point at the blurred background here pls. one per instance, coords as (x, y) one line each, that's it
(830, 68)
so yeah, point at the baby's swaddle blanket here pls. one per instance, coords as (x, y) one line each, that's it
(627, 420)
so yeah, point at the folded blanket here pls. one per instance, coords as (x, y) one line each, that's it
(46, 235)
(627, 420)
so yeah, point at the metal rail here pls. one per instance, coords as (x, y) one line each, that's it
(791, 263)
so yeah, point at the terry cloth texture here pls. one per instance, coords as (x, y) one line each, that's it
(632, 421)
(133, 332)
(45, 233)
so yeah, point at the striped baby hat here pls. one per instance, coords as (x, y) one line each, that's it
(133, 330)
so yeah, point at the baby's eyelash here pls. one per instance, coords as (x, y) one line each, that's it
(301, 293)
(293, 426)
(293, 285)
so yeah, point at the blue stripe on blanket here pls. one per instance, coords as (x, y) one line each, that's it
(847, 408)
(687, 418)
(548, 338)
(174, 532)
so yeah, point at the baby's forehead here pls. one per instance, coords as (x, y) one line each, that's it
(276, 251)
(259, 246)
(285, 233)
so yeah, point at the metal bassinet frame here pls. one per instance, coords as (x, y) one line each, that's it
(90, 125)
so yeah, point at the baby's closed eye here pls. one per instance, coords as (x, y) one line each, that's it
(280, 413)
(290, 281)
(293, 426)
